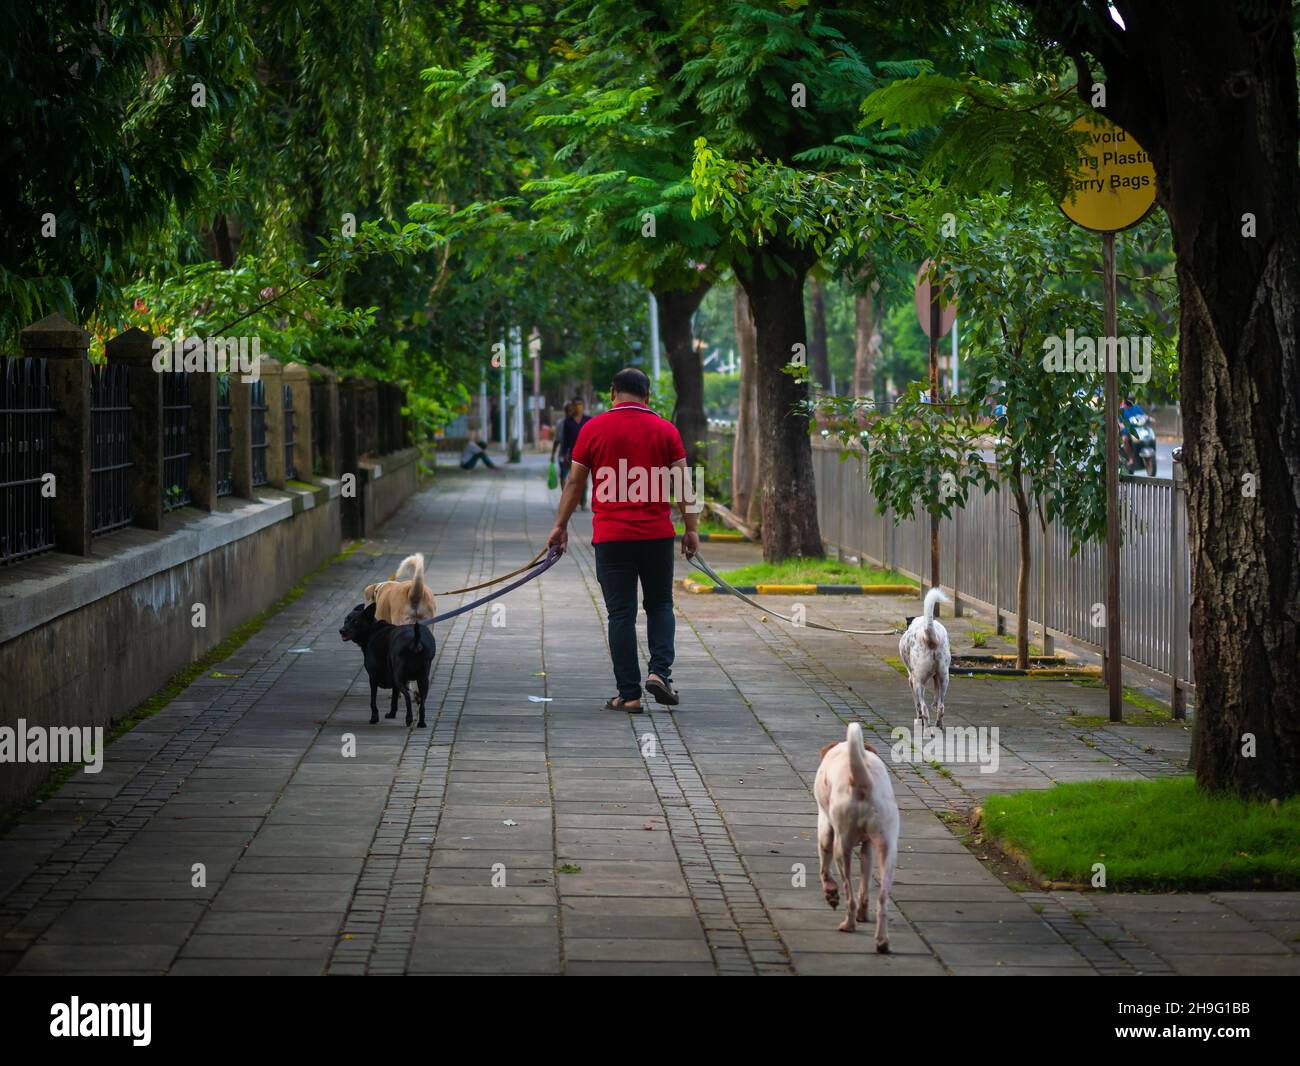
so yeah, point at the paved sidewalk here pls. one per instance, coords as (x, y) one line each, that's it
(517, 836)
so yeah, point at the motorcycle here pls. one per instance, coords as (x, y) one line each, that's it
(1137, 428)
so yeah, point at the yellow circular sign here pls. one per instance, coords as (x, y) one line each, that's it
(1117, 185)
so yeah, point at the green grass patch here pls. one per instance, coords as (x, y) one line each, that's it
(706, 524)
(174, 686)
(896, 663)
(979, 638)
(1162, 834)
(810, 572)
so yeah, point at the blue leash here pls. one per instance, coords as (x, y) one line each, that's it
(537, 571)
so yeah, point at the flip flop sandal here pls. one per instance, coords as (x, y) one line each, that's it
(618, 703)
(662, 692)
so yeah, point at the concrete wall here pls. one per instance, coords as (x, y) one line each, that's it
(383, 485)
(83, 640)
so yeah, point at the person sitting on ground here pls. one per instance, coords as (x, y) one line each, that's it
(474, 451)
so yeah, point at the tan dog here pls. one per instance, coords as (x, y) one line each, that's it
(405, 599)
(856, 807)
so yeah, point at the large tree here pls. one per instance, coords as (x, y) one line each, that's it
(777, 81)
(1208, 88)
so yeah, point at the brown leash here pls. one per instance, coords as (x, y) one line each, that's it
(497, 580)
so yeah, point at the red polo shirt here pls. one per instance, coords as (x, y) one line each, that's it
(629, 450)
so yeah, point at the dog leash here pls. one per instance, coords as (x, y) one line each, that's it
(551, 559)
(705, 568)
(496, 580)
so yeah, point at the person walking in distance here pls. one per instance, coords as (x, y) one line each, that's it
(632, 453)
(567, 437)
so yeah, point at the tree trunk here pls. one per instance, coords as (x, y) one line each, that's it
(1022, 572)
(744, 454)
(773, 281)
(222, 247)
(866, 344)
(818, 356)
(1209, 90)
(676, 306)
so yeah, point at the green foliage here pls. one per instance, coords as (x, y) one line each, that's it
(989, 136)
(100, 133)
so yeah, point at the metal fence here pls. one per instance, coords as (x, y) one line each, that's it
(225, 476)
(176, 439)
(110, 448)
(979, 558)
(257, 420)
(25, 410)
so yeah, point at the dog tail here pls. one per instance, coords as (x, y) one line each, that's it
(934, 596)
(410, 566)
(858, 773)
(412, 569)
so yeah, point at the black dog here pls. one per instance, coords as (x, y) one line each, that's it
(395, 656)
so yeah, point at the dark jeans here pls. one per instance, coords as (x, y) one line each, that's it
(619, 565)
(473, 459)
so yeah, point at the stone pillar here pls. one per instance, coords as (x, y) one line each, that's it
(325, 419)
(203, 440)
(134, 350)
(273, 376)
(299, 382)
(63, 346)
(241, 437)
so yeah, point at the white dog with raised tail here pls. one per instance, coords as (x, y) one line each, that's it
(856, 808)
(925, 652)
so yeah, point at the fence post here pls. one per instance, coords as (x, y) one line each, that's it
(325, 420)
(63, 346)
(998, 627)
(241, 436)
(368, 418)
(134, 350)
(1045, 587)
(956, 562)
(350, 445)
(1177, 541)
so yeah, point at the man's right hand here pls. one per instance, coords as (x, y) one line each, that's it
(559, 538)
(690, 544)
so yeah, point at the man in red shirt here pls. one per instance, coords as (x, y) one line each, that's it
(636, 460)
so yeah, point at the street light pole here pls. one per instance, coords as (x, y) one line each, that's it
(654, 341)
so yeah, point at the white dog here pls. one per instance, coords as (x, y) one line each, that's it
(925, 652)
(856, 807)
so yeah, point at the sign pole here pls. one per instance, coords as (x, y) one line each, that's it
(934, 405)
(1114, 189)
(1113, 668)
